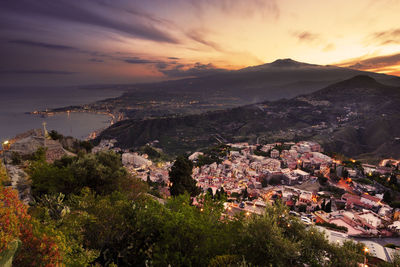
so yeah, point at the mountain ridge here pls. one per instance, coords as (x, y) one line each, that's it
(351, 123)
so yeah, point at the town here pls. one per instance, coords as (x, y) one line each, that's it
(342, 197)
(345, 199)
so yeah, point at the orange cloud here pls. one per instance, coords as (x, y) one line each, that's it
(389, 64)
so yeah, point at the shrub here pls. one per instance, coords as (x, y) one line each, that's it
(38, 248)
(333, 226)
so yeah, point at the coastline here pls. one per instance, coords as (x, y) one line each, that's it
(113, 118)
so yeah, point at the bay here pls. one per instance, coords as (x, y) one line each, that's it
(15, 102)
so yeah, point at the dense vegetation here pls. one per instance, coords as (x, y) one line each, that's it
(89, 211)
(69, 143)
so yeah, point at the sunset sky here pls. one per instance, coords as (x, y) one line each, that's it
(66, 42)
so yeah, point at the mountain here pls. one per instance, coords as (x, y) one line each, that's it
(283, 78)
(359, 117)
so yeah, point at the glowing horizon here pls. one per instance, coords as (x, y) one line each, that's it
(100, 41)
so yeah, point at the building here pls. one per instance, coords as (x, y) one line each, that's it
(134, 160)
(275, 153)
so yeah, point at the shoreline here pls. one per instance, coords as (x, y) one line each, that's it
(112, 118)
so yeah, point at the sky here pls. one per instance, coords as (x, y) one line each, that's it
(66, 42)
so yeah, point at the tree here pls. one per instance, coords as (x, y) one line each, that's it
(264, 182)
(322, 180)
(328, 207)
(55, 135)
(4, 179)
(102, 172)
(393, 179)
(220, 194)
(180, 176)
(345, 173)
(210, 192)
(39, 154)
(302, 208)
(245, 194)
(323, 205)
(16, 158)
(387, 197)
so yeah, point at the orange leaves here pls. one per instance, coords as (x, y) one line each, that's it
(15, 223)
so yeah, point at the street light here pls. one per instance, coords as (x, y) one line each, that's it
(5, 144)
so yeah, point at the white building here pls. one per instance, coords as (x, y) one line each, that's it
(274, 153)
(133, 159)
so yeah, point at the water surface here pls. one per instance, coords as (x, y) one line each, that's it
(15, 102)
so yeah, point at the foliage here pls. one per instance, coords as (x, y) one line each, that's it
(180, 176)
(275, 180)
(39, 155)
(322, 180)
(16, 158)
(302, 208)
(137, 231)
(40, 246)
(333, 226)
(282, 147)
(364, 181)
(336, 191)
(4, 179)
(225, 260)
(102, 172)
(213, 154)
(55, 135)
(278, 239)
(261, 153)
(54, 205)
(348, 254)
(387, 197)
(88, 211)
(7, 256)
(86, 145)
(391, 245)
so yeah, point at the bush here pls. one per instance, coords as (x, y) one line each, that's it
(150, 151)
(390, 245)
(261, 153)
(364, 181)
(275, 180)
(16, 158)
(55, 135)
(39, 247)
(102, 172)
(333, 226)
(4, 179)
(322, 180)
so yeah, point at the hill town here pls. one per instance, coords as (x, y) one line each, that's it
(344, 198)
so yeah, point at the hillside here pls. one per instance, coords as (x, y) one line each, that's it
(284, 78)
(358, 117)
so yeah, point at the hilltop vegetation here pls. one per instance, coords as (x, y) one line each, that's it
(102, 223)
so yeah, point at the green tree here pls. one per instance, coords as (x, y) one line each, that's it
(180, 176)
(55, 135)
(245, 194)
(16, 158)
(102, 172)
(387, 197)
(210, 192)
(393, 179)
(328, 207)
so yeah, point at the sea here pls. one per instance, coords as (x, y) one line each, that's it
(16, 102)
